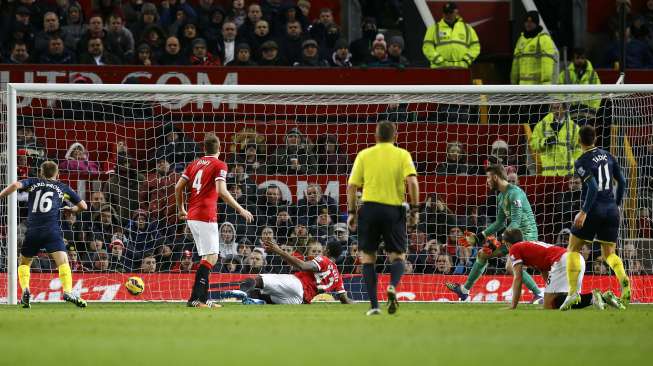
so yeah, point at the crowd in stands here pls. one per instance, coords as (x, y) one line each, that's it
(131, 223)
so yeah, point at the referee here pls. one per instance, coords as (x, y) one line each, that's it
(382, 171)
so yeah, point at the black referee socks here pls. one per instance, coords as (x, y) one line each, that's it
(396, 271)
(369, 274)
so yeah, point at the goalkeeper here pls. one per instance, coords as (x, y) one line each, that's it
(513, 204)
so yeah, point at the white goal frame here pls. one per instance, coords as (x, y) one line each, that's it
(14, 90)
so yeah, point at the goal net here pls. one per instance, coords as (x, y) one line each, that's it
(289, 150)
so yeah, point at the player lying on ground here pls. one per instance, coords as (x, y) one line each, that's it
(599, 216)
(46, 199)
(512, 204)
(551, 261)
(319, 275)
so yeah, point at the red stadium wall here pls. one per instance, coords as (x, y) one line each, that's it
(176, 287)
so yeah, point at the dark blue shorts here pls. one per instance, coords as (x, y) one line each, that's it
(378, 222)
(38, 239)
(601, 224)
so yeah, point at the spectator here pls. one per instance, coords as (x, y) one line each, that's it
(260, 36)
(104, 222)
(331, 158)
(270, 55)
(568, 203)
(74, 24)
(155, 37)
(341, 56)
(172, 54)
(132, 10)
(645, 224)
(437, 217)
(173, 18)
(73, 229)
(228, 244)
(300, 237)
(254, 14)
(283, 224)
(51, 28)
(395, 50)
(244, 248)
(87, 254)
(308, 207)
(158, 192)
(555, 138)
(237, 12)
(352, 263)
(305, 7)
(379, 56)
(318, 30)
(252, 159)
(144, 55)
(148, 16)
(535, 54)
(200, 56)
(148, 265)
(96, 55)
(311, 56)
(255, 263)
(231, 265)
(428, 264)
(238, 176)
(638, 52)
(295, 156)
(77, 160)
(225, 45)
(451, 42)
(580, 71)
(116, 259)
(57, 54)
(19, 53)
(106, 8)
(96, 31)
(455, 163)
(361, 48)
(187, 34)
(204, 10)
(177, 149)
(243, 229)
(243, 56)
(73, 259)
(26, 139)
(322, 229)
(599, 268)
(143, 238)
(88, 217)
(464, 259)
(212, 31)
(101, 261)
(341, 234)
(268, 205)
(329, 45)
(122, 187)
(277, 264)
(164, 256)
(266, 235)
(443, 264)
(183, 239)
(291, 43)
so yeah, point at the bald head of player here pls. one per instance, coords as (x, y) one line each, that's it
(587, 137)
(511, 236)
(211, 144)
(386, 131)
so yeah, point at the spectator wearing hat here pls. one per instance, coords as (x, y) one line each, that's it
(341, 57)
(379, 55)
(328, 45)
(296, 155)
(201, 56)
(186, 34)
(243, 56)
(143, 55)
(236, 12)
(172, 54)
(212, 30)
(395, 50)
(341, 235)
(174, 13)
(291, 44)
(116, 258)
(270, 55)
(29, 14)
(228, 243)
(451, 42)
(361, 48)
(95, 30)
(148, 16)
(19, 53)
(311, 56)
(118, 33)
(535, 55)
(185, 264)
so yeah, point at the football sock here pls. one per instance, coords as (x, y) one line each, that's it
(66, 277)
(200, 286)
(573, 270)
(477, 271)
(396, 271)
(617, 266)
(369, 274)
(530, 284)
(23, 276)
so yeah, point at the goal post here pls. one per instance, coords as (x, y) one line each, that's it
(124, 133)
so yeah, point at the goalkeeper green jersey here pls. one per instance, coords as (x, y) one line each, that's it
(514, 206)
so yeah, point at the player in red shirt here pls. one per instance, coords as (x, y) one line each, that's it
(551, 261)
(316, 276)
(207, 177)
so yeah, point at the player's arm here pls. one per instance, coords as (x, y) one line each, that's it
(78, 207)
(344, 299)
(290, 259)
(354, 183)
(226, 196)
(413, 194)
(516, 283)
(545, 275)
(180, 188)
(621, 182)
(13, 187)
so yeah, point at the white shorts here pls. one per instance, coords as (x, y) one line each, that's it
(206, 236)
(557, 282)
(283, 288)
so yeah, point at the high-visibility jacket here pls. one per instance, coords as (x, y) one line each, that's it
(557, 159)
(589, 77)
(445, 46)
(534, 60)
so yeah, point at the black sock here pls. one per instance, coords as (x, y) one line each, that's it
(585, 301)
(396, 271)
(201, 285)
(369, 274)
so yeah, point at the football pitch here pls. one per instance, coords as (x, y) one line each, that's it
(322, 334)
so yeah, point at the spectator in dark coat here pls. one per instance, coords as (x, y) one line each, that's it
(567, 204)
(436, 218)
(638, 53)
(254, 14)
(341, 56)
(331, 158)
(143, 238)
(225, 45)
(395, 49)
(237, 12)
(51, 28)
(318, 30)
(177, 149)
(118, 33)
(74, 24)
(188, 32)
(143, 55)
(260, 36)
(97, 55)
(291, 44)
(57, 54)
(311, 56)
(243, 56)
(308, 208)
(172, 55)
(212, 31)
(361, 48)
(155, 37)
(379, 55)
(149, 16)
(96, 30)
(270, 55)
(19, 54)
(455, 163)
(295, 156)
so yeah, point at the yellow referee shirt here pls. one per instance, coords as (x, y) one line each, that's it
(381, 171)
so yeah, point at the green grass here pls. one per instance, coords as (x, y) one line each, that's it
(321, 334)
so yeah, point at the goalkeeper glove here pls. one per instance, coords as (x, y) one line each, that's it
(491, 245)
(469, 239)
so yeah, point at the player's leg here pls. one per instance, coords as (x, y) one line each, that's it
(614, 261)
(369, 236)
(206, 236)
(573, 263)
(478, 268)
(282, 289)
(60, 258)
(584, 300)
(396, 244)
(25, 263)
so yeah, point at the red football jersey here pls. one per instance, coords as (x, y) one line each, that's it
(202, 175)
(536, 254)
(327, 279)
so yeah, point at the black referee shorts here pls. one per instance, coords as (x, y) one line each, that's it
(377, 222)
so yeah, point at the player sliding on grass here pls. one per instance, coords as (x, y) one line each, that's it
(46, 199)
(316, 276)
(551, 261)
(598, 218)
(512, 204)
(207, 177)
